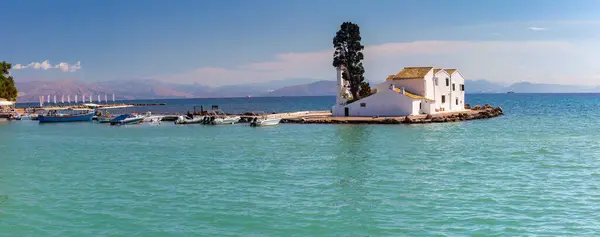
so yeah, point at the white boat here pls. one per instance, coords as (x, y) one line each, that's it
(27, 117)
(265, 122)
(263, 119)
(149, 118)
(218, 117)
(186, 120)
(226, 120)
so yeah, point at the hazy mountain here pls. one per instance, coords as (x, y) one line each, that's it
(527, 87)
(483, 86)
(147, 89)
(318, 88)
(154, 89)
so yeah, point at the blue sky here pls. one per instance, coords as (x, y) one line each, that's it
(231, 42)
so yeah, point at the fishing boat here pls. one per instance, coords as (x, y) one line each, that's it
(218, 117)
(187, 120)
(127, 119)
(263, 119)
(67, 115)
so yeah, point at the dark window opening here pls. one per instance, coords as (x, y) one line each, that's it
(363, 104)
(456, 100)
(443, 99)
(421, 105)
(453, 87)
(462, 87)
(447, 82)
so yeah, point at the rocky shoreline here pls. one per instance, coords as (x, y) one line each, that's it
(474, 113)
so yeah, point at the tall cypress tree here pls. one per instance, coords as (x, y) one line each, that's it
(348, 56)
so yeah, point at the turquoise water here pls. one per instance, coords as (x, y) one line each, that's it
(533, 172)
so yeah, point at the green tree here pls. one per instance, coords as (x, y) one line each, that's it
(365, 89)
(348, 56)
(7, 84)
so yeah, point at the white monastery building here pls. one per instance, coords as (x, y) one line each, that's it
(412, 91)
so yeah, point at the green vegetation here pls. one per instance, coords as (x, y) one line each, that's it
(348, 56)
(7, 84)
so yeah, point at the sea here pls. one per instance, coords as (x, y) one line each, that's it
(533, 172)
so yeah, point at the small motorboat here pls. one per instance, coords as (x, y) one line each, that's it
(148, 117)
(265, 121)
(105, 119)
(27, 117)
(127, 119)
(262, 119)
(187, 120)
(218, 117)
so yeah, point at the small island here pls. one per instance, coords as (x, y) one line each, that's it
(422, 94)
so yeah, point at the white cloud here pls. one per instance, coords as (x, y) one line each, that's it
(536, 28)
(501, 61)
(45, 65)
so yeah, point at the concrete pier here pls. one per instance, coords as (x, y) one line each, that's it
(323, 117)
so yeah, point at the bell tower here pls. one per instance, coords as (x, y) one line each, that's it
(342, 87)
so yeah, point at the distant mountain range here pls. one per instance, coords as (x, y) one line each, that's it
(154, 89)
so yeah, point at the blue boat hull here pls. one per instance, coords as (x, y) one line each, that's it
(58, 119)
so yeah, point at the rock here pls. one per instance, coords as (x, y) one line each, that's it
(391, 121)
(408, 120)
(429, 116)
(477, 107)
(437, 120)
(467, 106)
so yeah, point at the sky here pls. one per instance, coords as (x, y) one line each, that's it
(228, 42)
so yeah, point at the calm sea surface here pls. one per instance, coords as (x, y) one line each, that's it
(533, 172)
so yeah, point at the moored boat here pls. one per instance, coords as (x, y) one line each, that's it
(127, 119)
(149, 118)
(265, 121)
(67, 115)
(218, 117)
(186, 120)
(262, 119)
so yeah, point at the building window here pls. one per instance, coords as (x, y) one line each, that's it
(456, 100)
(453, 87)
(421, 105)
(447, 82)
(436, 81)
(462, 87)
(363, 104)
(443, 99)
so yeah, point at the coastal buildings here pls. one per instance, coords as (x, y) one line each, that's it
(5, 105)
(412, 91)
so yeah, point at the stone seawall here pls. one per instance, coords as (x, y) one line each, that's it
(475, 113)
